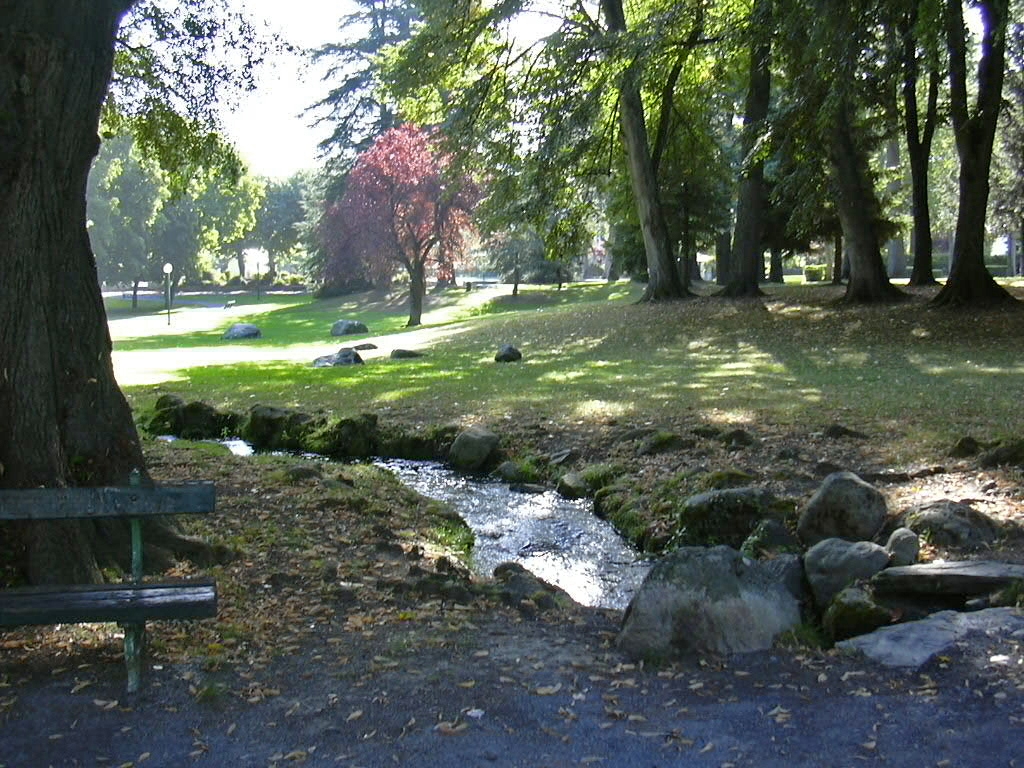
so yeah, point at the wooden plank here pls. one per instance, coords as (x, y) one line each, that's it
(125, 603)
(110, 501)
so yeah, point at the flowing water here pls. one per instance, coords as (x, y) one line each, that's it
(559, 540)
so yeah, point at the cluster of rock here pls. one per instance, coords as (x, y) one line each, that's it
(839, 570)
(350, 355)
(269, 428)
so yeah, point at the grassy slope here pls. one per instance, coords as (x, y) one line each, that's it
(798, 360)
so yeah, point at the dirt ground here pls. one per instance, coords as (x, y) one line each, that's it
(322, 656)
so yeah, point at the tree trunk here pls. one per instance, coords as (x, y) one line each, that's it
(748, 252)
(135, 295)
(776, 274)
(664, 281)
(857, 207)
(919, 147)
(417, 290)
(837, 259)
(723, 257)
(65, 420)
(970, 283)
(515, 281)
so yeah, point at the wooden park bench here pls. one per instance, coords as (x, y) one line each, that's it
(129, 604)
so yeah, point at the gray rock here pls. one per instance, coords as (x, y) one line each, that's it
(572, 485)
(366, 345)
(833, 564)
(473, 449)
(770, 537)
(510, 472)
(242, 331)
(348, 327)
(853, 613)
(843, 507)
(1010, 453)
(405, 354)
(508, 354)
(915, 643)
(966, 578)
(725, 516)
(697, 600)
(344, 356)
(903, 547)
(948, 523)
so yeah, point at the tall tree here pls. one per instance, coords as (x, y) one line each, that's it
(125, 193)
(832, 76)
(403, 210)
(917, 50)
(747, 261)
(354, 106)
(969, 281)
(279, 221)
(65, 420)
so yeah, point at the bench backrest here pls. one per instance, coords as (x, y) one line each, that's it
(109, 501)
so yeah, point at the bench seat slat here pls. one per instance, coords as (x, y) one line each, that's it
(124, 603)
(109, 501)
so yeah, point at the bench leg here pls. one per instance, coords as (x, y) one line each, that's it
(134, 639)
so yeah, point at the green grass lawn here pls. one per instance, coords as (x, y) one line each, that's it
(795, 360)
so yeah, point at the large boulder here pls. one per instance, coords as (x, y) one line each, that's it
(348, 327)
(834, 564)
(344, 356)
(473, 449)
(269, 428)
(242, 331)
(508, 354)
(915, 643)
(351, 438)
(193, 421)
(948, 523)
(697, 600)
(843, 507)
(726, 516)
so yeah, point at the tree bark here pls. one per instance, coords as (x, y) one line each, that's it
(919, 147)
(417, 290)
(970, 283)
(748, 251)
(664, 280)
(65, 422)
(857, 206)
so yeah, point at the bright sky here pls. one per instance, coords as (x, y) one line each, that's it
(269, 128)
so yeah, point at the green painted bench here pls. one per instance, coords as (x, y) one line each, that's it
(130, 604)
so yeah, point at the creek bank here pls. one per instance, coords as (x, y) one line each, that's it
(840, 538)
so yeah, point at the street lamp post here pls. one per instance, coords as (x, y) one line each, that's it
(168, 268)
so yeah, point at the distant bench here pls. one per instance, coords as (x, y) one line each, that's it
(129, 604)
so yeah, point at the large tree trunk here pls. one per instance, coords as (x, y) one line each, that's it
(748, 251)
(65, 422)
(664, 281)
(857, 206)
(970, 283)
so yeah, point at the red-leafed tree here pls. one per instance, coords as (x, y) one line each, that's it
(402, 209)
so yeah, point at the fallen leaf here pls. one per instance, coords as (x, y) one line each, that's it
(450, 729)
(354, 716)
(466, 684)
(548, 690)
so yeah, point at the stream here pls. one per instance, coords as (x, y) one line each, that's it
(559, 540)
